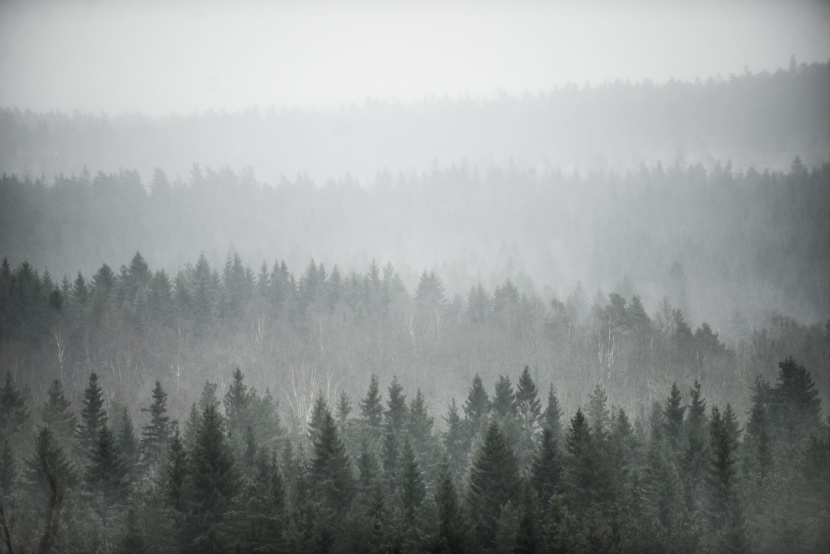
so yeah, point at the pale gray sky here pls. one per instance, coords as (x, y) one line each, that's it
(183, 57)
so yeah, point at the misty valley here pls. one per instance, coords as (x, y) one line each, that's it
(586, 319)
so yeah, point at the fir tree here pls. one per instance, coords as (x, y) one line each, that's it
(552, 418)
(411, 483)
(371, 410)
(156, 434)
(546, 469)
(504, 400)
(56, 414)
(8, 469)
(13, 411)
(673, 418)
(106, 476)
(395, 414)
(452, 529)
(494, 481)
(527, 402)
(330, 470)
(93, 415)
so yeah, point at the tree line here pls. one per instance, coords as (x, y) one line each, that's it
(507, 471)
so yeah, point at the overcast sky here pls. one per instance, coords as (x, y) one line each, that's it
(182, 57)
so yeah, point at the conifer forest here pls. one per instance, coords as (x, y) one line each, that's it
(370, 278)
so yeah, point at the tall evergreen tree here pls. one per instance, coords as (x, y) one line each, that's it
(155, 436)
(476, 409)
(494, 480)
(546, 469)
(56, 414)
(371, 410)
(50, 475)
(527, 402)
(330, 470)
(795, 403)
(396, 413)
(106, 476)
(452, 531)
(552, 418)
(93, 415)
(504, 400)
(455, 442)
(237, 404)
(411, 483)
(14, 413)
(726, 518)
(673, 418)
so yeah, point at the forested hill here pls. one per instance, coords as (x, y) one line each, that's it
(761, 120)
(733, 248)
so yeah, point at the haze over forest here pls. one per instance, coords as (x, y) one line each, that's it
(437, 278)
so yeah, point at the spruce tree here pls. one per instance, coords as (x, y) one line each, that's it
(552, 418)
(371, 410)
(476, 409)
(452, 527)
(395, 414)
(237, 404)
(330, 470)
(106, 476)
(411, 486)
(504, 400)
(213, 479)
(155, 436)
(527, 402)
(726, 518)
(796, 405)
(455, 442)
(56, 414)
(93, 415)
(344, 408)
(599, 418)
(546, 469)
(673, 418)
(494, 480)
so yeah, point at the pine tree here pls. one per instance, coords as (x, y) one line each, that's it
(395, 414)
(13, 411)
(411, 483)
(476, 409)
(213, 479)
(527, 536)
(599, 417)
(371, 410)
(175, 477)
(455, 442)
(452, 531)
(8, 469)
(93, 415)
(56, 414)
(156, 434)
(494, 480)
(546, 469)
(330, 470)
(106, 476)
(237, 404)
(552, 418)
(344, 408)
(127, 443)
(724, 507)
(673, 418)
(504, 400)
(527, 402)
(796, 405)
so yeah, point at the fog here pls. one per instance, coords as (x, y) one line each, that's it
(399, 277)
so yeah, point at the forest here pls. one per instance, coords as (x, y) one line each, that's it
(593, 318)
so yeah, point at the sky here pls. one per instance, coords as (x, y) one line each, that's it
(182, 57)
